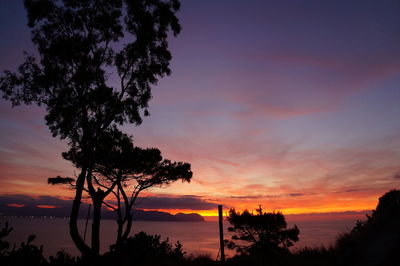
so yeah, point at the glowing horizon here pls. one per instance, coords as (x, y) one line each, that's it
(286, 106)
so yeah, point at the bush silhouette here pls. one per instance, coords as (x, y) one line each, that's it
(26, 254)
(143, 248)
(62, 258)
(4, 245)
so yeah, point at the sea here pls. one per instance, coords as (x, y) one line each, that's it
(197, 238)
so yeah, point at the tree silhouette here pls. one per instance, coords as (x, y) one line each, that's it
(146, 170)
(84, 46)
(4, 245)
(121, 168)
(263, 233)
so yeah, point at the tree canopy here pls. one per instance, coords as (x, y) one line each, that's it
(95, 64)
(77, 43)
(262, 233)
(123, 171)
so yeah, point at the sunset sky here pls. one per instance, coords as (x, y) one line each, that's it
(294, 105)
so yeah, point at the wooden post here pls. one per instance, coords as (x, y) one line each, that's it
(221, 233)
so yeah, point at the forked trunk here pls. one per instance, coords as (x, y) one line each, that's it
(73, 222)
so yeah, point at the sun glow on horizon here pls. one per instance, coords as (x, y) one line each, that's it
(300, 212)
(303, 128)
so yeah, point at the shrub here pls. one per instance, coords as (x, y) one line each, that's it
(144, 248)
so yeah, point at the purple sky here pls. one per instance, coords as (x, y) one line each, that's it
(291, 104)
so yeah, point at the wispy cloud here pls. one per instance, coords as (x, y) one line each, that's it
(296, 116)
(259, 196)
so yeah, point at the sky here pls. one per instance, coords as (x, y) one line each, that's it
(293, 105)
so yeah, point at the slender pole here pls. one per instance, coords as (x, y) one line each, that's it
(87, 219)
(221, 233)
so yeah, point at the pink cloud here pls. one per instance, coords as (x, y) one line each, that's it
(287, 85)
(282, 174)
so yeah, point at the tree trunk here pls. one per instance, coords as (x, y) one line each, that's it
(128, 227)
(119, 232)
(73, 220)
(96, 227)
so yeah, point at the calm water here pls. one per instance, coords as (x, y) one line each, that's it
(196, 237)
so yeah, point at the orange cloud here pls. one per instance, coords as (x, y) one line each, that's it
(16, 205)
(46, 206)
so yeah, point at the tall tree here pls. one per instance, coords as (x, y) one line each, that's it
(83, 47)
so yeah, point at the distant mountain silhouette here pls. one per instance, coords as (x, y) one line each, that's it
(139, 215)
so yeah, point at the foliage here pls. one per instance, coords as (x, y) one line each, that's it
(314, 257)
(121, 166)
(4, 245)
(77, 44)
(148, 249)
(263, 233)
(26, 254)
(60, 180)
(62, 258)
(93, 72)
(375, 241)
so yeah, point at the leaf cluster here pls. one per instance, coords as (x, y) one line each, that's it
(117, 158)
(260, 233)
(84, 46)
(95, 64)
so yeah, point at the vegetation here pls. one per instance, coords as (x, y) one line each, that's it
(96, 63)
(26, 254)
(262, 233)
(374, 242)
(145, 249)
(119, 167)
